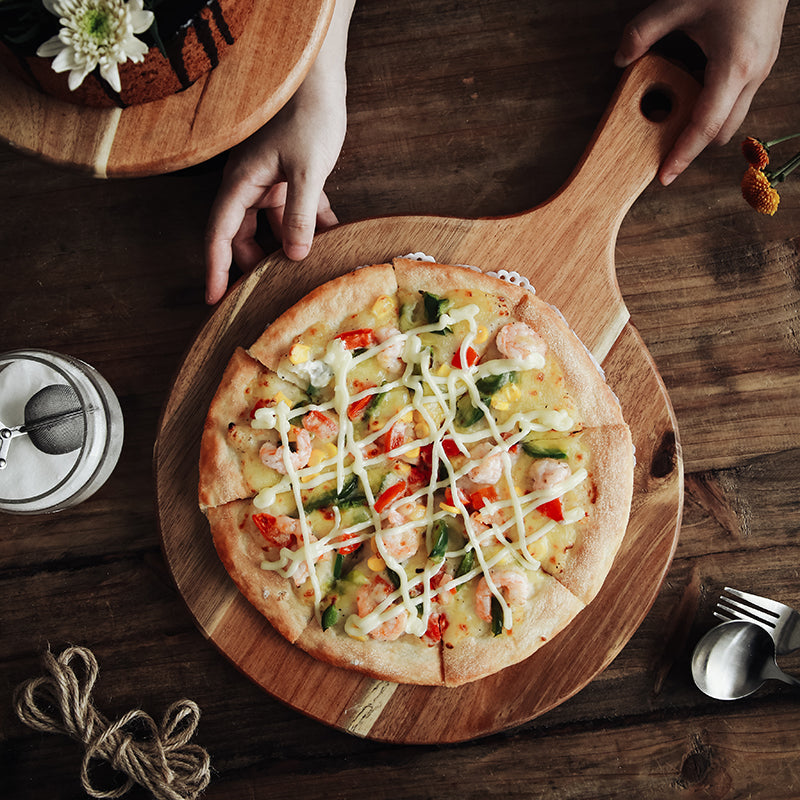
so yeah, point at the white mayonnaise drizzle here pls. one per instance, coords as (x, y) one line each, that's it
(434, 399)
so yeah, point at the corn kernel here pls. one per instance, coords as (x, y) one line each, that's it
(282, 398)
(411, 455)
(408, 416)
(421, 430)
(330, 449)
(499, 404)
(384, 305)
(317, 457)
(376, 563)
(449, 509)
(299, 353)
(307, 478)
(443, 371)
(481, 335)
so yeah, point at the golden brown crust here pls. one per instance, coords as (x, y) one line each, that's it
(241, 549)
(221, 474)
(584, 380)
(443, 278)
(405, 660)
(548, 611)
(328, 305)
(611, 481)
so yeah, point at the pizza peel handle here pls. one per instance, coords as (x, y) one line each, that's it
(566, 245)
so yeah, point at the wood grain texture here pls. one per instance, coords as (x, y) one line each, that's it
(475, 109)
(250, 85)
(566, 247)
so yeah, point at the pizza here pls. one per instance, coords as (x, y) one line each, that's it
(417, 472)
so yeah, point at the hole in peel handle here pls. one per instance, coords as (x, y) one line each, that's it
(650, 107)
(656, 104)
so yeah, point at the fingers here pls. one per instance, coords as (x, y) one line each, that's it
(306, 207)
(235, 199)
(718, 113)
(644, 30)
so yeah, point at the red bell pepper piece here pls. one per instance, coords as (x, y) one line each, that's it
(471, 356)
(553, 509)
(389, 495)
(360, 337)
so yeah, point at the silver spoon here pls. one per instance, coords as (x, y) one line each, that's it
(734, 659)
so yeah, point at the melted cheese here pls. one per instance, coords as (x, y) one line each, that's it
(433, 399)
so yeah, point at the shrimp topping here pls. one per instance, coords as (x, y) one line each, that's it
(285, 532)
(390, 357)
(321, 425)
(369, 597)
(489, 470)
(511, 583)
(547, 473)
(520, 341)
(404, 538)
(273, 457)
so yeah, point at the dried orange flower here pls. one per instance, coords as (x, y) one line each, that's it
(758, 183)
(758, 191)
(756, 152)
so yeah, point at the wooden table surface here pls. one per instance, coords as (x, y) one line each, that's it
(466, 109)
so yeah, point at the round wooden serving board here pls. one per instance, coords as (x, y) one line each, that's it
(221, 109)
(566, 249)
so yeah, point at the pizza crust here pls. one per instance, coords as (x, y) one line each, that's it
(327, 306)
(240, 548)
(221, 475)
(550, 608)
(407, 660)
(610, 488)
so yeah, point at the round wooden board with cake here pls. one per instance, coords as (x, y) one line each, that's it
(199, 77)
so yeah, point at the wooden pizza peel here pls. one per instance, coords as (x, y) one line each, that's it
(565, 247)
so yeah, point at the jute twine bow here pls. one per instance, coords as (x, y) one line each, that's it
(159, 758)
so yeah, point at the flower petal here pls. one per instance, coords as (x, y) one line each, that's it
(52, 47)
(50, 5)
(135, 48)
(141, 20)
(65, 60)
(76, 77)
(110, 72)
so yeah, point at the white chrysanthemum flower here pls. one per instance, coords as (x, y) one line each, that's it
(96, 33)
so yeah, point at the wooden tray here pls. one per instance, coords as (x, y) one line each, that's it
(221, 109)
(566, 248)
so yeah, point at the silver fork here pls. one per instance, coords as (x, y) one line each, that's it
(780, 621)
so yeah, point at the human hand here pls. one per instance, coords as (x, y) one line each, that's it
(282, 169)
(740, 39)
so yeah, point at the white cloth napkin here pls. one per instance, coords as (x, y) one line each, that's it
(29, 473)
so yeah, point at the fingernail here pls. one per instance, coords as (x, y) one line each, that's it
(668, 177)
(297, 252)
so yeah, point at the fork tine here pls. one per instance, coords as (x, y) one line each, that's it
(739, 610)
(763, 603)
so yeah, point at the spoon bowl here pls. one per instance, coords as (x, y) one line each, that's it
(734, 659)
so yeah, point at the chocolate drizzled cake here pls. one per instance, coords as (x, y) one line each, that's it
(188, 39)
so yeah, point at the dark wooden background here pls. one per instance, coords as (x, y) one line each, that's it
(470, 108)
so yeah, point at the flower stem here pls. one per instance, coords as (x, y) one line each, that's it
(782, 139)
(781, 172)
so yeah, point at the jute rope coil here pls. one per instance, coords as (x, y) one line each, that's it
(158, 757)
